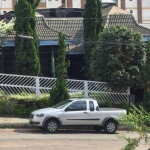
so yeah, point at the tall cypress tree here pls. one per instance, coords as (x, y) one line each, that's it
(99, 25)
(59, 91)
(93, 25)
(147, 79)
(26, 58)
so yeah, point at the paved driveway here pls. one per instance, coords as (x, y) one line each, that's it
(30, 139)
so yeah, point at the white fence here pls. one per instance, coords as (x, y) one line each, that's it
(17, 84)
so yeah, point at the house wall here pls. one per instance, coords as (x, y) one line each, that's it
(5, 6)
(53, 3)
(76, 3)
(147, 25)
(139, 8)
(8, 5)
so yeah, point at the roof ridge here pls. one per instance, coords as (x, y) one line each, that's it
(43, 18)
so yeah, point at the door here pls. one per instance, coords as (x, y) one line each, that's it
(76, 114)
(95, 117)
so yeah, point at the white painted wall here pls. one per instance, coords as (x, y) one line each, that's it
(134, 12)
(53, 3)
(108, 1)
(6, 4)
(146, 14)
(131, 4)
(146, 3)
(119, 3)
(76, 3)
(147, 25)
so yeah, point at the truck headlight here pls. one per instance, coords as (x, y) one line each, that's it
(39, 115)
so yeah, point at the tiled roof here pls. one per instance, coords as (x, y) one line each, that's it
(125, 20)
(69, 26)
(73, 27)
(44, 31)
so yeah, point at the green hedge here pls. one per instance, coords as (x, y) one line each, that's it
(21, 105)
(25, 104)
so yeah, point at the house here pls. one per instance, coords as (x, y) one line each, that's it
(140, 9)
(48, 29)
(8, 5)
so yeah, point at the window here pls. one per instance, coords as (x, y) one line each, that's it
(62, 104)
(43, 1)
(91, 104)
(77, 106)
(131, 11)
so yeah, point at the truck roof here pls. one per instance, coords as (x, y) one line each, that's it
(89, 99)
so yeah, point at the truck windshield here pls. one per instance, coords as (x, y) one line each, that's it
(62, 104)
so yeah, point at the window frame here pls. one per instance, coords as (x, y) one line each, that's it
(68, 109)
(90, 105)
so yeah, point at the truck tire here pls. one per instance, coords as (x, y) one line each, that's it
(110, 126)
(52, 126)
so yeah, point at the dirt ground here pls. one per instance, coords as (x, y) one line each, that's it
(34, 139)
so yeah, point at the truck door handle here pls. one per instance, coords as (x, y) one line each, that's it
(85, 113)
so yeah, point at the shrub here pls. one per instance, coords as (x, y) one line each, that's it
(21, 105)
(105, 103)
(138, 120)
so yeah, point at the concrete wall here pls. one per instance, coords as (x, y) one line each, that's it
(6, 5)
(76, 3)
(140, 8)
(53, 3)
(131, 4)
(146, 15)
(146, 3)
(147, 25)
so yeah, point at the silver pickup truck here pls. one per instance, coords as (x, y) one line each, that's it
(77, 112)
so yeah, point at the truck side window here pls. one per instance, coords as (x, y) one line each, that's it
(77, 106)
(91, 104)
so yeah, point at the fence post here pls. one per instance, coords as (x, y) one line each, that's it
(86, 89)
(128, 92)
(37, 87)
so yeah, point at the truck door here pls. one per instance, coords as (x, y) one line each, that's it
(95, 117)
(76, 114)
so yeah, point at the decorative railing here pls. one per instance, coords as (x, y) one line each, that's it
(18, 84)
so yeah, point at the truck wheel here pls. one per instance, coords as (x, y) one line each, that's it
(51, 126)
(98, 128)
(110, 126)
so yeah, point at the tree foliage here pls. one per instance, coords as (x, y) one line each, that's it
(120, 58)
(59, 91)
(137, 120)
(26, 58)
(5, 28)
(93, 26)
(147, 79)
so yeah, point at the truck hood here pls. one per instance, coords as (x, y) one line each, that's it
(46, 110)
